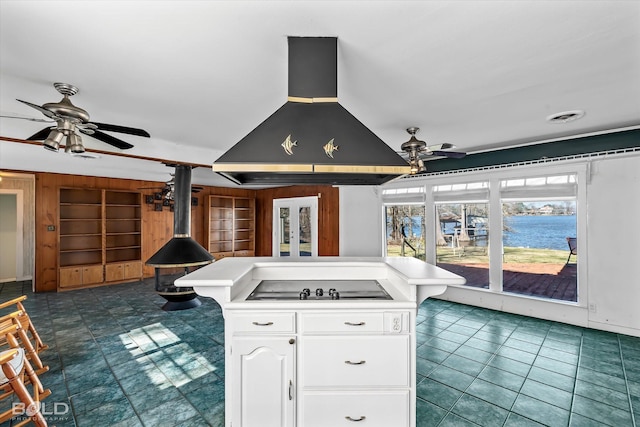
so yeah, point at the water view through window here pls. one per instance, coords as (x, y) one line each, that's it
(533, 247)
(462, 239)
(535, 242)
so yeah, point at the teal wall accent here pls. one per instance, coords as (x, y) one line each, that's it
(567, 147)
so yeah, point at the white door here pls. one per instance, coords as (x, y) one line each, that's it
(295, 227)
(263, 381)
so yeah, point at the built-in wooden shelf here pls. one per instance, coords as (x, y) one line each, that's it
(231, 226)
(100, 237)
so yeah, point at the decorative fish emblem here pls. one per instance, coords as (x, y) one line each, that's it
(329, 148)
(288, 145)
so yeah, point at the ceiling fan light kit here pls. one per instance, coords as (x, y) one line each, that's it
(414, 149)
(70, 120)
(53, 141)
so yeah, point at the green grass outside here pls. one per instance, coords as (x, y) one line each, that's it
(479, 255)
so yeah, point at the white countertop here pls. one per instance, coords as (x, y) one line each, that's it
(232, 279)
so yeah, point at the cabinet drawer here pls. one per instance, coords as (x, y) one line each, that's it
(355, 322)
(374, 409)
(356, 361)
(267, 323)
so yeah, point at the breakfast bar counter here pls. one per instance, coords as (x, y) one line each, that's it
(320, 341)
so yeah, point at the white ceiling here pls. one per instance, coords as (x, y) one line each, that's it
(200, 75)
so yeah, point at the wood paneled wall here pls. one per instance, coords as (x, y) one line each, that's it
(328, 216)
(157, 226)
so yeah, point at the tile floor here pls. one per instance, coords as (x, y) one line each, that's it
(117, 359)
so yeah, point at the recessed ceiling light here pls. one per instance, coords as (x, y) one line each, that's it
(565, 116)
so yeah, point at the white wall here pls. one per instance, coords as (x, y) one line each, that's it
(612, 245)
(360, 221)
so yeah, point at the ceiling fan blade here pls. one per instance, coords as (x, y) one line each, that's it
(118, 143)
(451, 154)
(31, 119)
(40, 135)
(437, 147)
(121, 129)
(39, 108)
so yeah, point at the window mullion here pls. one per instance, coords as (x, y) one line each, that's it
(495, 236)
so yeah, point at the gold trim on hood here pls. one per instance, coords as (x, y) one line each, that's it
(270, 167)
(310, 100)
(399, 170)
(261, 167)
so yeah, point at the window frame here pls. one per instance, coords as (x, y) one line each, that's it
(581, 170)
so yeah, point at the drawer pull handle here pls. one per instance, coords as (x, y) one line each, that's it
(354, 324)
(263, 324)
(349, 362)
(362, 418)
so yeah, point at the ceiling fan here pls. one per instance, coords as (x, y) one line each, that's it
(168, 190)
(69, 119)
(415, 151)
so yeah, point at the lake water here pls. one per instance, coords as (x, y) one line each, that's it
(539, 231)
(527, 231)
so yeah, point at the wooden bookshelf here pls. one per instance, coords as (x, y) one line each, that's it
(100, 237)
(231, 226)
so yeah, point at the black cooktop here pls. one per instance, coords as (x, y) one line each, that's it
(318, 290)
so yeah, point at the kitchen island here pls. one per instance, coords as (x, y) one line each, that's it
(323, 341)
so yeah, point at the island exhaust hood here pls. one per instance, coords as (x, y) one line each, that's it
(311, 139)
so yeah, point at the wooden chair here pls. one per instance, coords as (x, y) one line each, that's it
(17, 318)
(573, 247)
(15, 376)
(25, 320)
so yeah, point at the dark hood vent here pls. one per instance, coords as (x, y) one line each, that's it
(311, 139)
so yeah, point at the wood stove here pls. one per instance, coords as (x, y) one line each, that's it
(180, 255)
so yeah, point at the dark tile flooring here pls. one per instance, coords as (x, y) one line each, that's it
(117, 359)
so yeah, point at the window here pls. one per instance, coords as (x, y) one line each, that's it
(539, 214)
(462, 241)
(405, 230)
(509, 233)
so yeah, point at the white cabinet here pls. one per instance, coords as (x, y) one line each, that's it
(357, 365)
(321, 368)
(261, 386)
(263, 375)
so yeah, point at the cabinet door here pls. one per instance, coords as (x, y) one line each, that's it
(114, 272)
(133, 270)
(263, 381)
(92, 274)
(70, 276)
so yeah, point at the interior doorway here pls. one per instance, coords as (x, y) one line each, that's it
(11, 232)
(295, 227)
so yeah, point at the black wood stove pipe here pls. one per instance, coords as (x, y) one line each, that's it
(181, 252)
